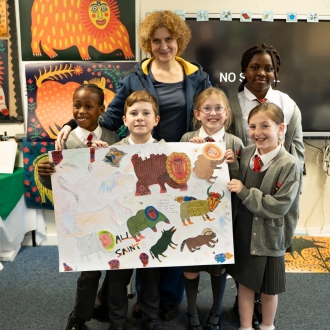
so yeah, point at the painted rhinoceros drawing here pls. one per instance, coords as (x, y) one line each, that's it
(174, 170)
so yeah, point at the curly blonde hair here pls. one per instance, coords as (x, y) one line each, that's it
(164, 19)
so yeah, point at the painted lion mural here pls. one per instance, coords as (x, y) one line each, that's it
(60, 24)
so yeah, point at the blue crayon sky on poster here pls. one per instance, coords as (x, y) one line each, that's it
(50, 89)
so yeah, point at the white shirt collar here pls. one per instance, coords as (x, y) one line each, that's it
(130, 141)
(82, 133)
(217, 137)
(252, 97)
(266, 158)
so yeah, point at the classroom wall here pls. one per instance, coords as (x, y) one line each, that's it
(313, 213)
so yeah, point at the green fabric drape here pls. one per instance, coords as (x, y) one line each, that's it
(11, 191)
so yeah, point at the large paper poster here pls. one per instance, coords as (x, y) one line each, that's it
(152, 205)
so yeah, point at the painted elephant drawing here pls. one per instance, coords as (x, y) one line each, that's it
(174, 170)
(146, 218)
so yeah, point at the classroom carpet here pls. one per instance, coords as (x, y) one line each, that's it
(310, 254)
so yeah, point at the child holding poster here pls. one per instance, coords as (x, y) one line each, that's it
(260, 65)
(140, 117)
(88, 105)
(212, 117)
(268, 189)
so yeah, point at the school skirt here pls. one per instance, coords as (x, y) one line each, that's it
(261, 274)
(258, 273)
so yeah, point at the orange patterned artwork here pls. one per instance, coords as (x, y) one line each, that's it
(310, 254)
(50, 89)
(87, 25)
(3, 19)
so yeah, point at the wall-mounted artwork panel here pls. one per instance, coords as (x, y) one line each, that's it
(50, 89)
(102, 30)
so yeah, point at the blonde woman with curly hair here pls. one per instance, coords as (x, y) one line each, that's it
(174, 83)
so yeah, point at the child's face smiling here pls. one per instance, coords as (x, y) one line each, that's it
(87, 109)
(260, 75)
(214, 120)
(140, 120)
(264, 132)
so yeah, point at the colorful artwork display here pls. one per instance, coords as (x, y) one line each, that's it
(151, 205)
(36, 195)
(101, 30)
(50, 89)
(3, 19)
(310, 254)
(4, 96)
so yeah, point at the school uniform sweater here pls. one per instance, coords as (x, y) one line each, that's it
(73, 142)
(293, 137)
(275, 205)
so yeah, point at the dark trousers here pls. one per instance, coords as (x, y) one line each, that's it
(170, 285)
(87, 285)
(113, 293)
(116, 295)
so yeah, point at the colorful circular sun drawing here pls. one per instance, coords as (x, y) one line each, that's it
(212, 152)
(178, 167)
(107, 239)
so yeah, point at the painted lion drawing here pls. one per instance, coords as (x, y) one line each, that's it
(61, 24)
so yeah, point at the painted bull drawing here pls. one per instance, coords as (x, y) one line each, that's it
(201, 208)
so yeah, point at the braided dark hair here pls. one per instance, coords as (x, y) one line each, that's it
(96, 89)
(260, 49)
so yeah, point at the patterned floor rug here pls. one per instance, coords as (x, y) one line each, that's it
(311, 254)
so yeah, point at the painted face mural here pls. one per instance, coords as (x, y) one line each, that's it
(99, 14)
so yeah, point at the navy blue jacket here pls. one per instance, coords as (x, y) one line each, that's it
(195, 81)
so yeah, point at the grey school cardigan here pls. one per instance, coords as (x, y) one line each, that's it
(293, 137)
(73, 142)
(275, 205)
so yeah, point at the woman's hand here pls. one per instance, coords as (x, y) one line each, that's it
(62, 135)
(235, 186)
(46, 168)
(100, 144)
(197, 139)
(229, 156)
